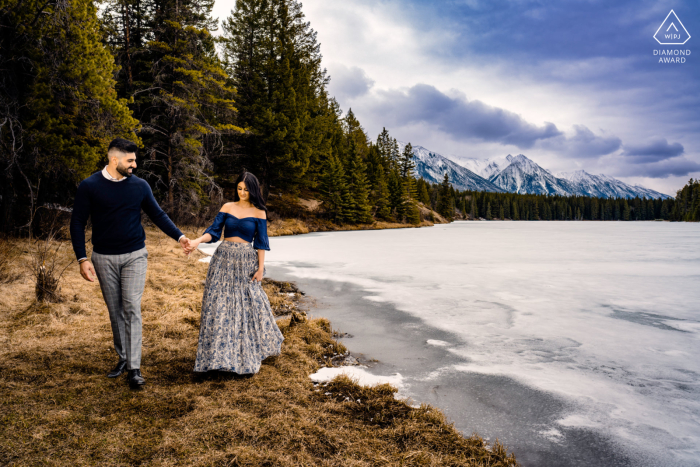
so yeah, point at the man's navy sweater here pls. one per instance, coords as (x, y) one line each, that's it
(115, 210)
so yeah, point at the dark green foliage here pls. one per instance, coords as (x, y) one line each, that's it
(334, 189)
(687, 205)
(360, 210)
(58, 107)
(384, 147)
(191, 107)
(543, 207)
(396, 199)
(380, 195)
(445, 201)
(179, 90)
(275, 62)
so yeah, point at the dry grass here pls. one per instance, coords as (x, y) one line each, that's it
(9, 253)
(280, 227)
(58, 408)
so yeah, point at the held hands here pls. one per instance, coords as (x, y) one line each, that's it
(184, 243)
(190, 245)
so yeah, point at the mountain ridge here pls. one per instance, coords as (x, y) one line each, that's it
(519, 174)
(431, 166)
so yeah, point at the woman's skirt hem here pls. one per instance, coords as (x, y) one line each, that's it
(238, 329)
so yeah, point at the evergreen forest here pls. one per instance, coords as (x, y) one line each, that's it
(75, 74)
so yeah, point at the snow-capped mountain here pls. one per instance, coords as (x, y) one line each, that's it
(431, 166)
(486, 168)
(523, 175)
(606, 187)
(518, 174)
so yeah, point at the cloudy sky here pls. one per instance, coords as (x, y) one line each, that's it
(570, 84)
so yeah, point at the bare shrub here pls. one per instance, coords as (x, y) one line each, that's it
(48, 268)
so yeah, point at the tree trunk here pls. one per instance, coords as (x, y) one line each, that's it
(127, 48)
(171, 194)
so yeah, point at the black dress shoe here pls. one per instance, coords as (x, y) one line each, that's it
(135, 379)
(118, 370)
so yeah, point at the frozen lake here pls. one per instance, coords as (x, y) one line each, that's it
(572, 342)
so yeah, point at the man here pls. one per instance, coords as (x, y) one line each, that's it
(113, 199)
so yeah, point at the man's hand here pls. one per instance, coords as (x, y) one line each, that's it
(87, 271)
(185, 244)
(193, 244)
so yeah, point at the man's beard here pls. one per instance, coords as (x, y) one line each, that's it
(124, 171)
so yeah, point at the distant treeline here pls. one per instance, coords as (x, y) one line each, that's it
(475, 205)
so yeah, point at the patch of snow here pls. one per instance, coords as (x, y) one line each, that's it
(438, 343)
(208, 249)
(357, 373)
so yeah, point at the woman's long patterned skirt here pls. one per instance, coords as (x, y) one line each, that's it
(238, 330)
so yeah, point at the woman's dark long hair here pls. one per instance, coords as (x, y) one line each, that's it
(251, 182)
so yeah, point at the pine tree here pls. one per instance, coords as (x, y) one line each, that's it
(444, 202)
(355, 134)
(360, 210)
(127, 25)
(501, 214)
(394, 155)
(412, 212)
(664, 210)
(410, 192)
(473, 212)
(594, 209)
(191, 105)
(380, 195)
(334, 189)
(276, 65)
(396, 198)
(407, 166)
(626, 211)
(384, 146)
(58, 106)
(423, 195)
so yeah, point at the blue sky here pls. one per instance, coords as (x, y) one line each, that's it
(571, 84)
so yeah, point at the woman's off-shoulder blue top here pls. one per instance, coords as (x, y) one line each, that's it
(250, 229)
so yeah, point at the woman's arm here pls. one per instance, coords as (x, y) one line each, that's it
(261, 243)
(258, 276)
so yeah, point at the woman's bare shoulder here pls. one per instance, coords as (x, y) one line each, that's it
(260, 213)
(227, 207)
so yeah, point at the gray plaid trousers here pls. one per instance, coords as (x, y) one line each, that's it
(122, 280)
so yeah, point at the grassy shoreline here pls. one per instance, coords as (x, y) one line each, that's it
(58, 408)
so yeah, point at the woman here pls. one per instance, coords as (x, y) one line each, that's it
(238, 330)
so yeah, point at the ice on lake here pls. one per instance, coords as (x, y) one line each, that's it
(603, 315)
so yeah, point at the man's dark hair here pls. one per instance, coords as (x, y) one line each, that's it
(123, 145)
